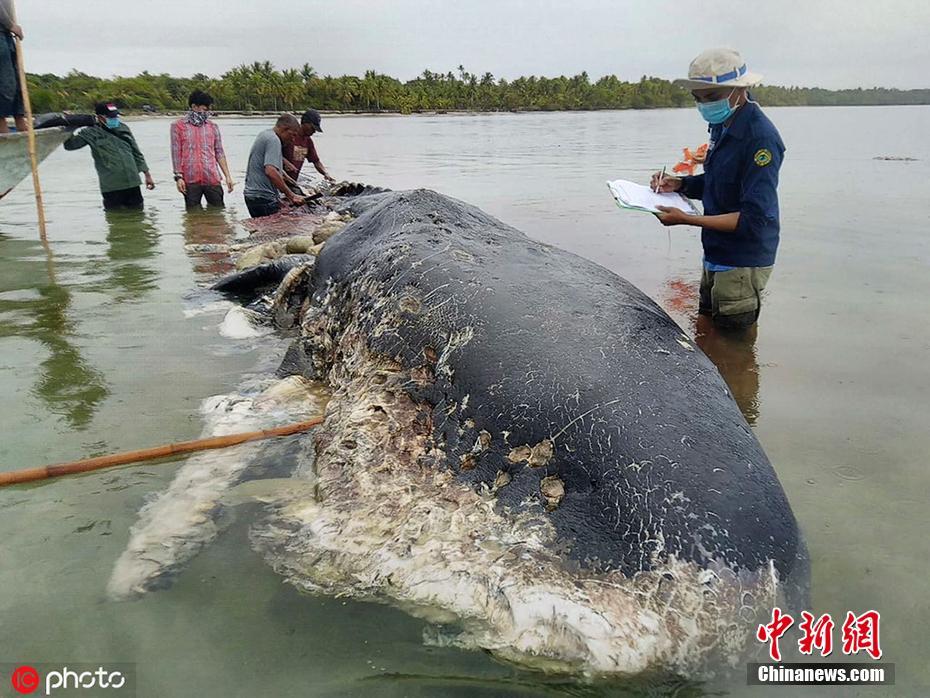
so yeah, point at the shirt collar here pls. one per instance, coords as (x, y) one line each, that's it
(740, 124)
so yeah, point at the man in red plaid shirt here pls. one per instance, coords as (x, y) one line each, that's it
(196, 150)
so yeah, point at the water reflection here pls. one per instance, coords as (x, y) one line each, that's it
(66, 383)
(132, 236)
(734, 354)
(732, 351)
(522, 683)
(37, 308)
(210, 231)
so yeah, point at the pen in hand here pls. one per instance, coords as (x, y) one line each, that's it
(660, 180)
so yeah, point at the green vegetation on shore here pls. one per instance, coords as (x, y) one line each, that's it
(260, 87)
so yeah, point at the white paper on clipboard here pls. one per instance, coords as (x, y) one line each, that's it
(641, 198)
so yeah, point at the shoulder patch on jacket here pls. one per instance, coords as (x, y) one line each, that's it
(762, 157)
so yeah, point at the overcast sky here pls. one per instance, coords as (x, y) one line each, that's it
(827, 43)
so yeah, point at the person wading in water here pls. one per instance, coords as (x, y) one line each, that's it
(740, 226)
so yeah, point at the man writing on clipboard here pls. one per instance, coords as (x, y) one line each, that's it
(740, 226)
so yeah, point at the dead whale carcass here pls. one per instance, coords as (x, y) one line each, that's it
(523, 443)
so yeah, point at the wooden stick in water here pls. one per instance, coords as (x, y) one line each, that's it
(21, 67)
(83, 466)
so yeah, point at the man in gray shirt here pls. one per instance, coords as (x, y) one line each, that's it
(263, 175)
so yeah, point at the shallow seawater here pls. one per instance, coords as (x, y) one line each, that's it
(110, 343)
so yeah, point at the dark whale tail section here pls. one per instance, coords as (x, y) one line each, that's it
(246, 286)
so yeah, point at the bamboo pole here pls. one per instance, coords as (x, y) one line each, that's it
(24, 86)
(87, 465)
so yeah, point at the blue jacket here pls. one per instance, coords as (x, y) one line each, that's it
(741, 174)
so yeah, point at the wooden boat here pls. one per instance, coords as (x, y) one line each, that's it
(14, 154)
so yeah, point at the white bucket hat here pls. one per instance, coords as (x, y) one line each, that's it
(718, 67)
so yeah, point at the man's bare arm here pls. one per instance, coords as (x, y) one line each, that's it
(274, 174)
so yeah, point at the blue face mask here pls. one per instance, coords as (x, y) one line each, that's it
(112, 122)
(716, 112)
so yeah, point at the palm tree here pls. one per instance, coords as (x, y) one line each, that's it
(348, 90)
(307, 72)
(292, 87)
(368, 88)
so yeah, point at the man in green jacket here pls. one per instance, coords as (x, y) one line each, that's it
(116, 156)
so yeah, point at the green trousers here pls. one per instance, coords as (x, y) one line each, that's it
(733, 298)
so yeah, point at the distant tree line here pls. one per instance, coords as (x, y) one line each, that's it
(261, 87)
